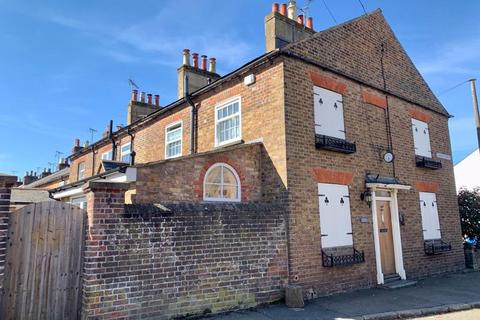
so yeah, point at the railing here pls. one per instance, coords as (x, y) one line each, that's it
(331, 260)
(424, 162)
(436, 247)
(334, 144)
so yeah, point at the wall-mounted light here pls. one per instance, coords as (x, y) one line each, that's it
(367, 197)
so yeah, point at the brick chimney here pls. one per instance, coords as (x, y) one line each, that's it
(140, 109)
(76, 146)
(282, 26)
(29, 178)
(198, 76)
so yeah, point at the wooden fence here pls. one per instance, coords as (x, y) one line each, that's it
(44, 262)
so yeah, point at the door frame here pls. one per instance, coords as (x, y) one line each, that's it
(397, 240)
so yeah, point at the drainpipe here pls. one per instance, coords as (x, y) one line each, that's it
(110, 135)
(193, 115)
(93, 159)
(132, 150)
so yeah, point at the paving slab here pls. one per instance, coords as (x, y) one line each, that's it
(434, 295)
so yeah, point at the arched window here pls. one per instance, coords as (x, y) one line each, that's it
(221, 183)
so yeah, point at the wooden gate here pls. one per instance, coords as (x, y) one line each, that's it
(44, 262)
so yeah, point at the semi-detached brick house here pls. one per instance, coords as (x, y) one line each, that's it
(338, 127)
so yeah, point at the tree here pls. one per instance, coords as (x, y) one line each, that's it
(469, 203)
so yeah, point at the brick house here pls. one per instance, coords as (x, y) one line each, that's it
(337, 127)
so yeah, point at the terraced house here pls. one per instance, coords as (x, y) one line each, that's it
(337, 129)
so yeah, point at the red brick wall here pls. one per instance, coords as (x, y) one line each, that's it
(180, 260)
(365, 125)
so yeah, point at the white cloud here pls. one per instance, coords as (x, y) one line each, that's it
(459, 57)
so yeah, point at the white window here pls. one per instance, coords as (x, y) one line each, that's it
(80, 202)
(335, 218)
(421, 138)
(107, 155)
(429, 211)
(328, 112)
(173, 140)
(125, 152)
(228, 122)
(81, 170)
(221, 183)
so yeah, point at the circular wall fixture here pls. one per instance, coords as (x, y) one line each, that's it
(388, 157)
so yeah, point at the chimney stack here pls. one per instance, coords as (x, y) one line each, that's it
(76, 146)
(29, 178)
(292, 10)
(62, 164)
(284, 27)
(198, 77)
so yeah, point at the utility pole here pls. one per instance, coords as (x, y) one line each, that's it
(475, 109)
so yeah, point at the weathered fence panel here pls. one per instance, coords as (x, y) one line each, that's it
(44, 262)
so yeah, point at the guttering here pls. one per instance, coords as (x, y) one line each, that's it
(268, 57)
(193, 115)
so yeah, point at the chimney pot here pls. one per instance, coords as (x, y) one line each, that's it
(142, 97)
(134, 95)
(283, 9)
(195, 59)
(77, 143)
(149, 98)
(310, 23)
(292, 9)
(157, 100)
(186, 57)
(204, 62)
(212, 67)
(275, 7)
(300, 19)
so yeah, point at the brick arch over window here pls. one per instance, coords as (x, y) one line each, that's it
(244, 187)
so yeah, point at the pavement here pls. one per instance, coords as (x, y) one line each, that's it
(438, 295)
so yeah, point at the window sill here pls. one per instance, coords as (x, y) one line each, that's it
(334, 144)
(342, 258)
(229, 144)
(429, 163)
(434, 247)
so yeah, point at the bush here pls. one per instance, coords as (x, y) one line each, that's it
(469, 203)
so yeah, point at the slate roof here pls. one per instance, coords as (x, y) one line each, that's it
(354, 48)
(54, 176)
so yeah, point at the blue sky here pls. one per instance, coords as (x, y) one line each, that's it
(64, 65)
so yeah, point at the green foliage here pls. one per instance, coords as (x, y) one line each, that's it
(469, 203)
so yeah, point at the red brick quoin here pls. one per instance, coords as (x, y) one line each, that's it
(323, 175)
(198, 183)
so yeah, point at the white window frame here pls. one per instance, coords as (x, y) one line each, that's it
(81, 202)
(181, 139)
(110, 153)
(426, 150)
(129, 151)
(81, 171)
(239, 187)
(222, 105)
(340, 132)
(335, 240)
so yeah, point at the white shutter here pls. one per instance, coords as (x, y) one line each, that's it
(335, 219)
(328, 111)
(421, 138)
(429, 211)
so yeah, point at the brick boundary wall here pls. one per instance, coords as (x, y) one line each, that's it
(176, 260)
(6, 184)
